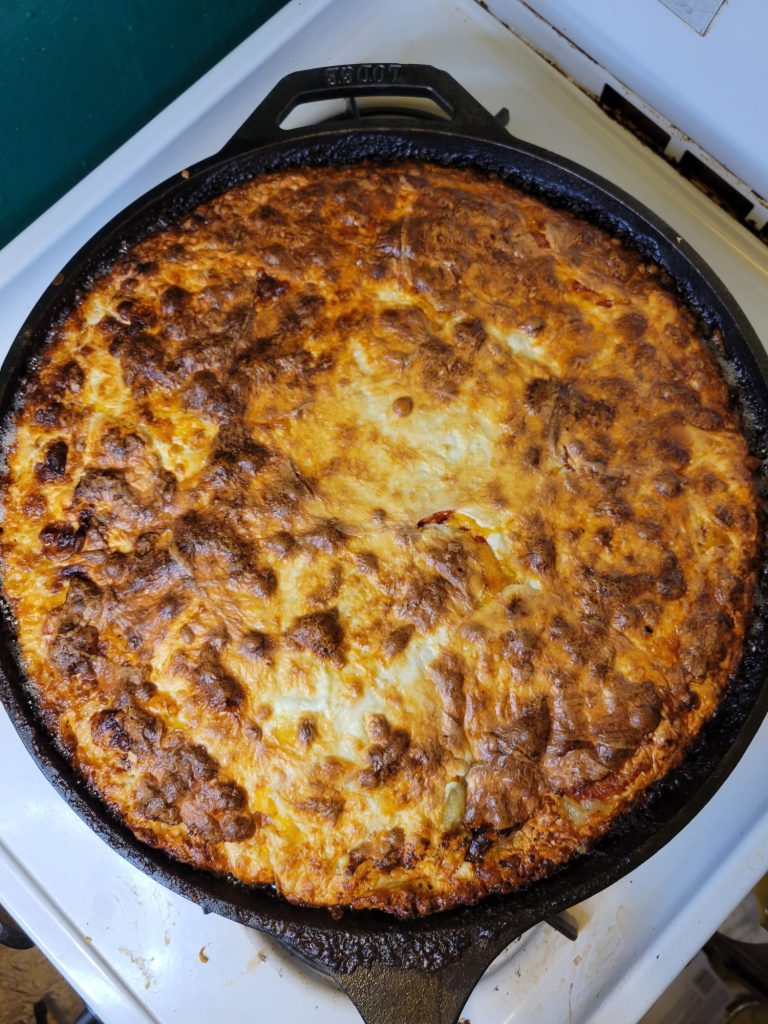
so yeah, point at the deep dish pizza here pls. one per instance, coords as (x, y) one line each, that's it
(379, 533)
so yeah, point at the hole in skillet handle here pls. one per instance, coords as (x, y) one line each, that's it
(462, 112)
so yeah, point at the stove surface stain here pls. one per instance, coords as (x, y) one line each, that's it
(142, 964)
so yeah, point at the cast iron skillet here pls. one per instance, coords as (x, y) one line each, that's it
(418, 972)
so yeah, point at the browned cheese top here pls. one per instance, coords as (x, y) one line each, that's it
(379, 533)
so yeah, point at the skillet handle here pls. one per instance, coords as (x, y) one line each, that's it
(386, 994)
(349, 81)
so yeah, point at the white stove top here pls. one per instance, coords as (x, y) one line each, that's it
(667, 51)
(135, 951)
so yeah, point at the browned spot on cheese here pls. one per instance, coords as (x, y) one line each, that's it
(307, 731)
(448, 672)
(126, 729)
(424, 601)
(451, 560)
(385, 851)
(670, 582)
(256, 644)
(671, 451)
(470, 333)
(319, 632)
(367, 562)
(54, 462)
(325, 536)
(705, 644)
(281, 543)
(387, 757)
(49, 414)
(35, 506)
(61, 538)
(174, 299)
(541, 554)
(220, 690)
(328, 808)
(152, 804)
(632, 325)
(74, 649)
(397, 640)
(501, 793)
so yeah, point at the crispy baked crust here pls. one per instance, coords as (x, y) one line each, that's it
(379, 533)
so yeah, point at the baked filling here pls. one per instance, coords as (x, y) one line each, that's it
(380, 533)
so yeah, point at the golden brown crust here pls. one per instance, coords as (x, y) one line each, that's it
(379, 533)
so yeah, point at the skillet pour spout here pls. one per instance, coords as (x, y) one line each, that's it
(420, 971)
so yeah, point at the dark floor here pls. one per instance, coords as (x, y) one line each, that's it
(26, 979)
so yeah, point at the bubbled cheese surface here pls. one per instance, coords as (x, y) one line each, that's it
(379, 533)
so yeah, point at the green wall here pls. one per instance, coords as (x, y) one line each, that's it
(79, 77)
